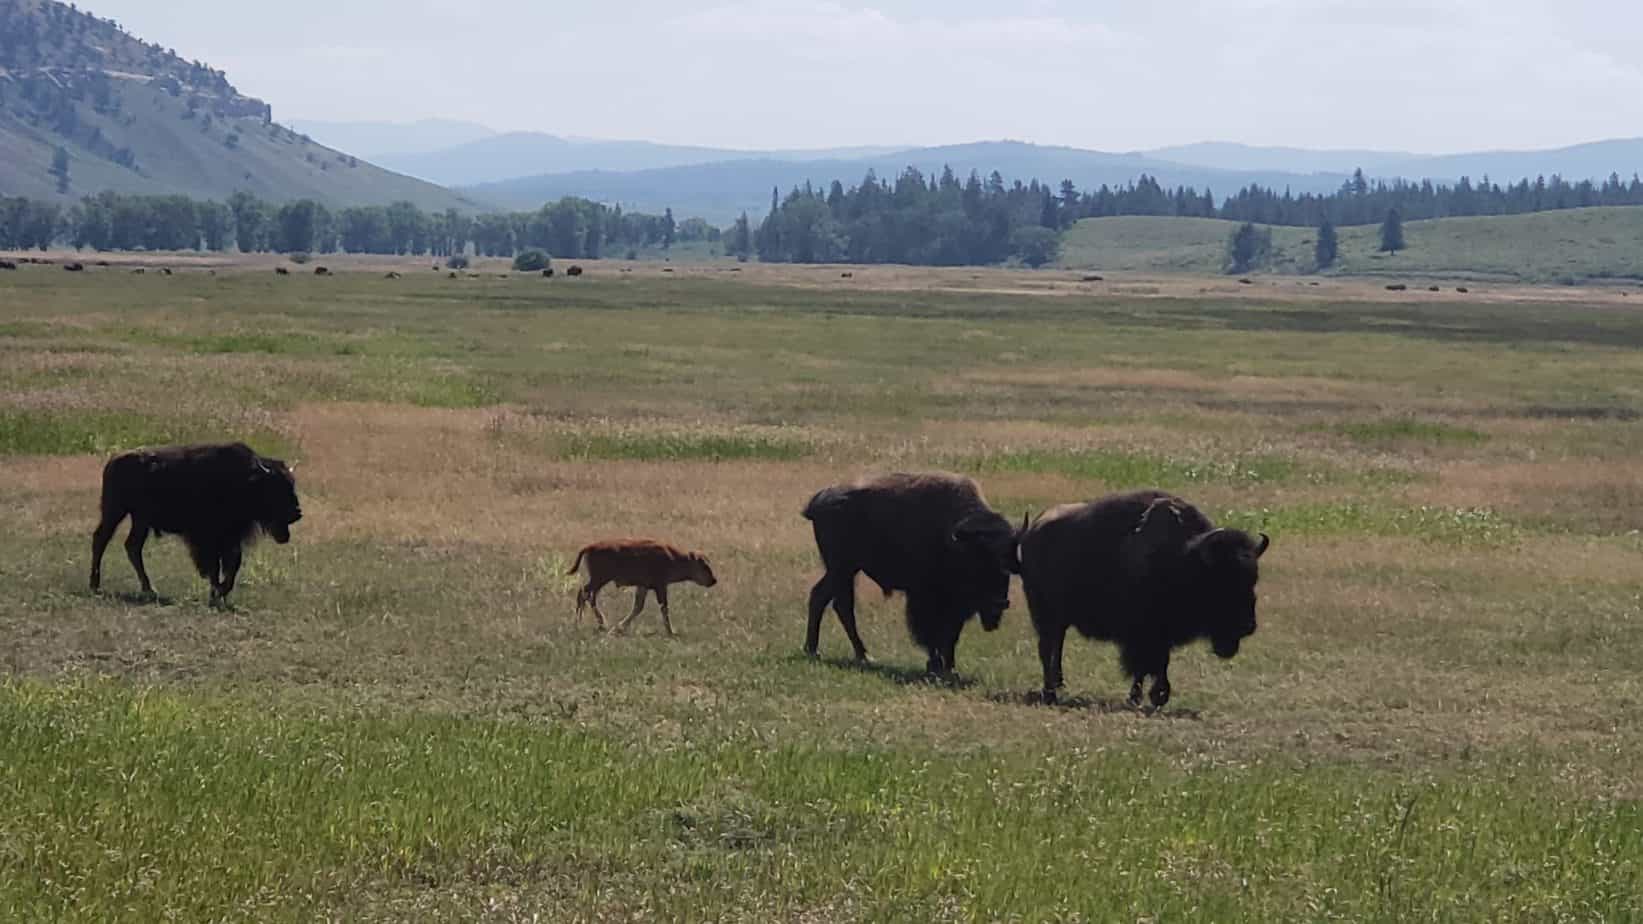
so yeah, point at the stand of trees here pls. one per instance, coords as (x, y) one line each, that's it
(571, 228)
(940, 221)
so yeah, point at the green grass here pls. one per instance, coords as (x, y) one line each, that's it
(679, 447)
(400, 717)
(45, 433)
(1453, 526)
(146, 805)
(1569, 245)
(1123, 470)
(1407, 429)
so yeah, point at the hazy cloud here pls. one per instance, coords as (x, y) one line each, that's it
(1424, 75)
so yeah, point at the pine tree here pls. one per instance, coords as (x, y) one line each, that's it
(1392, 233)
(59, 169)
(1328, 247)
(1048, 215)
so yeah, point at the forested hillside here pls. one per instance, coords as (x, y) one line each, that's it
(85, 107)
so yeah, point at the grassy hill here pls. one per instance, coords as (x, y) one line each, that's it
(135, 118)
(1560, 246)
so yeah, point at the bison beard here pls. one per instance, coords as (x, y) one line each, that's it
(933, 537)
(216, 497)
(1146, 571)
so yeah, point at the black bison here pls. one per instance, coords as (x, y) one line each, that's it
(216, 497)
(646, 564)
(75, 267)
(281, 271)
(391, 275)
(322, 271)
(7, 265)
(547, 273)
(574, 271)
(931, 536)
(165, 271)
(1144, 570)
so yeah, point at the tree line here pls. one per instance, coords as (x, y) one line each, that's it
(939, 221)
(572, 228)
(1357, 202)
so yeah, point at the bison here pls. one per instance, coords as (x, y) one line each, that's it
(1145, 570)
(931, 536)
(7, 265)
(646, 564)
(574, 271)
(322, 271)
(75, 267)
(216, 497)
(281, 271)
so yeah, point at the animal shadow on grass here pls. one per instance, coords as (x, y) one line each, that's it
(906, 676)
(138, 598)
(1097, 705)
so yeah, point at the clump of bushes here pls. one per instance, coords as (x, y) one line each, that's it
(531, 261)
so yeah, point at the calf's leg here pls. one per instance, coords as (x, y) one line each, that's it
(638, 604)
(591, 592)
(134, 551)
(844, 604)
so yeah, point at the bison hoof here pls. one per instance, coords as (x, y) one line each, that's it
(1159, 695)
(1047, 698)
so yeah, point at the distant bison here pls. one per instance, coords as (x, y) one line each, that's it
(322, 271)
(75, 267)
(7, 265)
(931, 536)
(1463, 290)
(574, 271)
(281, 271)
(1094, 278)
(139, 271)
(216, 497)
(1144, 570)
(391, 275)
(646, 564)
(547, 273)
(847, 275)
(1396, 287)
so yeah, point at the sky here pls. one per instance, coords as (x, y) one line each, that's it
(1427, 76)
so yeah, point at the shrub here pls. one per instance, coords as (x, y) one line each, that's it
(531, 261)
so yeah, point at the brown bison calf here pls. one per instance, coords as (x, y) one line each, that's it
(643, 563)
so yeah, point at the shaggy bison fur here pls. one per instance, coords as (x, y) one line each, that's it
(216, 497)
(1146, 571)
(931, 536)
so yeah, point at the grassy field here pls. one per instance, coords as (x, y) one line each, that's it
(1553, 247)
(1441, 717)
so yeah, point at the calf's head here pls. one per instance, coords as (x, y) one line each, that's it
(275, 491)
(1224, 566)
(984, 553)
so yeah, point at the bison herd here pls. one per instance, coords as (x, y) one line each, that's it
(1144, 570)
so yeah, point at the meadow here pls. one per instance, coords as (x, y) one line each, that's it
(1567, 247)
(1441, 717)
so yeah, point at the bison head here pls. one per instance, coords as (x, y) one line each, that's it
(1226, 566)
(700, 571)
(275, 490)
(985, 553)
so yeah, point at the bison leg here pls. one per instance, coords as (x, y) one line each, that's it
(844, 604)
(661, 597)
(99, 542)
(230, 571)
(638, 605)
(134, 551)
(1160, 686)
(1051, 641)
(820, 596)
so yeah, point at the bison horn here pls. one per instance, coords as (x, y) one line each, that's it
(1260, 547)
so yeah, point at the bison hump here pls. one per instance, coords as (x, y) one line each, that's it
(827, 500)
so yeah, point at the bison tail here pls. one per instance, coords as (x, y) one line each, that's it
(578, 565)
